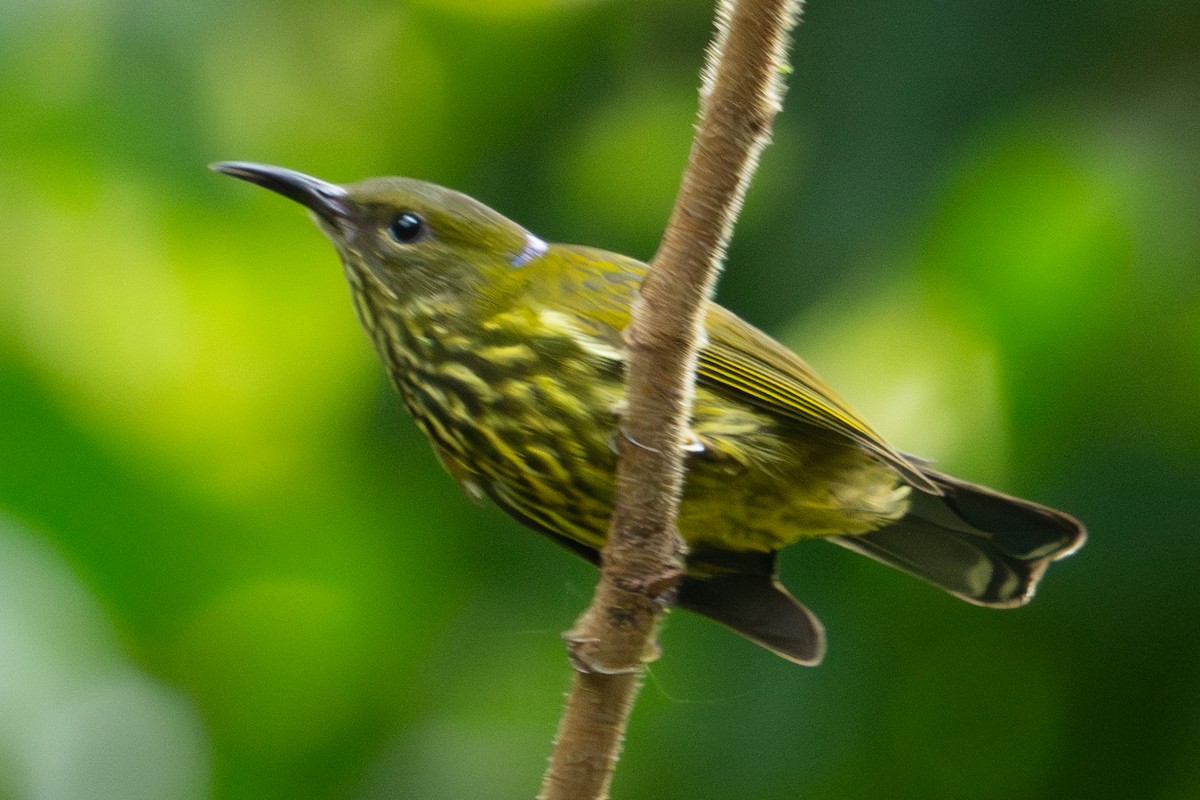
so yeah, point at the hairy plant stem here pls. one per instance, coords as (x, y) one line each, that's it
(643, 560)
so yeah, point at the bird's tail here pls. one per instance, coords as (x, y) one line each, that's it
(755, 605)
(988, 548)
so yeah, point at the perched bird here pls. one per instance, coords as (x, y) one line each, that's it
(508, 353)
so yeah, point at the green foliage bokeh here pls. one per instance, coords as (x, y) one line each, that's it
(231, 568)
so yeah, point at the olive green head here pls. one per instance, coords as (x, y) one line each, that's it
(409, 238)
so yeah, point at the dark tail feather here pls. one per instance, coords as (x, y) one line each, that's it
(741, 593)
(757, 607)
(983, 546)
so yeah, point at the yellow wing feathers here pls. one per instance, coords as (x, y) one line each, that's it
(737, 359)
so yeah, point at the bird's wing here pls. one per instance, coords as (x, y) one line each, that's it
(737, 360)
(742, 360)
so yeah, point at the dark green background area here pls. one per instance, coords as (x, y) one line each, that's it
(231, 568)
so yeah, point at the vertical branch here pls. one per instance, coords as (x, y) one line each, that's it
(643, 560)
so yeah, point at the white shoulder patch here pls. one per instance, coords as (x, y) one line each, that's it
(534, 248)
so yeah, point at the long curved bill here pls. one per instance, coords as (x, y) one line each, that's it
(328, 200)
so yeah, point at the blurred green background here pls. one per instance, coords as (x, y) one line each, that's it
(231, 568)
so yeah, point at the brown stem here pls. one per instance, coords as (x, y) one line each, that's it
(643, 559)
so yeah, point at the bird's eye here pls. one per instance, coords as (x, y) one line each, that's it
(406, 228)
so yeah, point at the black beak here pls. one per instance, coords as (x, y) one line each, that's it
(328, 200)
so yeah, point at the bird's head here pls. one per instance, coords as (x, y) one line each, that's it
(406, 238)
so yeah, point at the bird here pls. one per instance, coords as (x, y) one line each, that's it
(508, 353)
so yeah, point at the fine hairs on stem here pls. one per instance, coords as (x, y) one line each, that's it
(642, 562)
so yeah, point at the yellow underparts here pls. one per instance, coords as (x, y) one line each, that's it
(527, 415)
